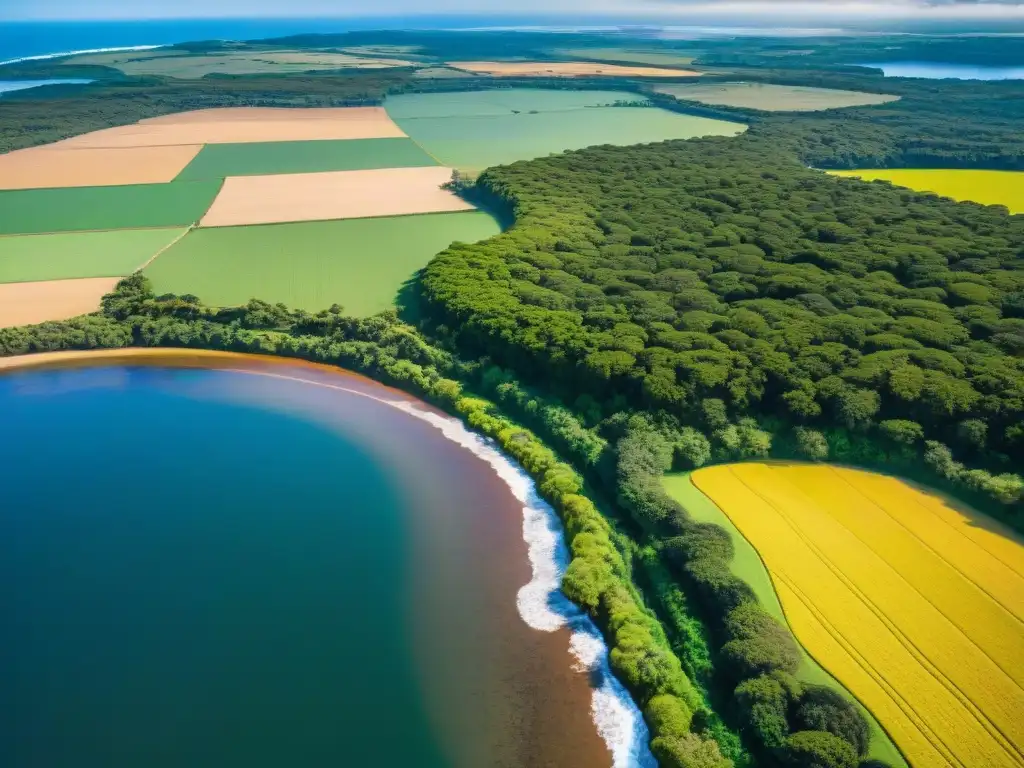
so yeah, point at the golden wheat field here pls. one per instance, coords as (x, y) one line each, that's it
(915, 605)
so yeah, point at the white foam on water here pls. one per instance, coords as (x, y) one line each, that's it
(543, 607)
(45, 56)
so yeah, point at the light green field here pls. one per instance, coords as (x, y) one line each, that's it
(192, 67)
(137, 206)
(747, 565)
(360, 264)
(30, 258)
(215, 161)
(626, 55)
(773, 98)
(985, 187)
(478, 129)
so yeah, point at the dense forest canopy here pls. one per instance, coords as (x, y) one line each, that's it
(666, 276)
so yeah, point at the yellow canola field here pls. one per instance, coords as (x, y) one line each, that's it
(917, 607)
(985, 187)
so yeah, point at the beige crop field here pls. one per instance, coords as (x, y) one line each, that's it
(26, 303)
(652, 57)
(774, 98)
(51, 166)
(916, 605)
(236, 128)
(564, 69)
(334, 195)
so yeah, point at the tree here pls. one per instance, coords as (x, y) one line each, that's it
(811, 444)
(823, 709)
(818, 749)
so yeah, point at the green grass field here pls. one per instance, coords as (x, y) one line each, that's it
(178, 65)
(748, 566)
(215, 161)
(30, 211)
(28, 258)
(767, 97)
(474, 130)
(360, 264)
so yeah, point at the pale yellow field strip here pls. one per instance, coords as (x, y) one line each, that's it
(850, 576)
(353, 123)
(565, 69)
(48, 166)
(27, 303)
(332, 195)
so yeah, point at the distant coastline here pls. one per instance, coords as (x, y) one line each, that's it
(116, 49)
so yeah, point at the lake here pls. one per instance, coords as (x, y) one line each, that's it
(213, 561)
(6, 86)
(473, 130)
(933, 70)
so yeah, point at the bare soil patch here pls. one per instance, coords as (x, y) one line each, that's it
(27, 303)
(565, 69)
(333, 195)
(244, 126)
(52, 166)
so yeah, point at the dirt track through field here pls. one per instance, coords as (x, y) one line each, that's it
(240, 126)
(565, 69)
(48, 166)
(334, 195)
(27, 303)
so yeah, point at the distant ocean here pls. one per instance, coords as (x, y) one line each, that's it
(22, 39)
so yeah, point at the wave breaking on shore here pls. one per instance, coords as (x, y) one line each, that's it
(542, 605)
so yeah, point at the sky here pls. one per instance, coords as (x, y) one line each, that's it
(799, 12)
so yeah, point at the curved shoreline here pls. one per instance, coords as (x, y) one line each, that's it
(540, 603)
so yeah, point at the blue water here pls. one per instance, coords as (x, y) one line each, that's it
(937, 70)
(212, 568)
(33, 38)
(6, 86)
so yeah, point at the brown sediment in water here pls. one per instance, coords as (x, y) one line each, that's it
(499, 693)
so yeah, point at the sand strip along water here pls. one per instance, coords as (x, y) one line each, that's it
(332, 195)
(342, 123)
(50, 167)
(29, 303)
(565, 69)
(541, 604)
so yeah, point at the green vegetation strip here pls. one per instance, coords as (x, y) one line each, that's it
(360, 264)
(30, 211)
(216, 161)
(64, 256)
(748, 566)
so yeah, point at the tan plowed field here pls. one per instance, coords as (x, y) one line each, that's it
(565, 69)
(27, 303)
(238, 128)
(334, 195)
(51, 166)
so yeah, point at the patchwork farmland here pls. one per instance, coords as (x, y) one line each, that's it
(78, 214)
(767, 97)
(914, 604)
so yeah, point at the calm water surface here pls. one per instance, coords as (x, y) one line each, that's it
(215, 568)
(937, 70)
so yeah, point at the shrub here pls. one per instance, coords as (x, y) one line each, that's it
(759, 643)
(824, 709)
(668, 716)
(818, 749)
(811, 444)
(688, 751)
(764, 705)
